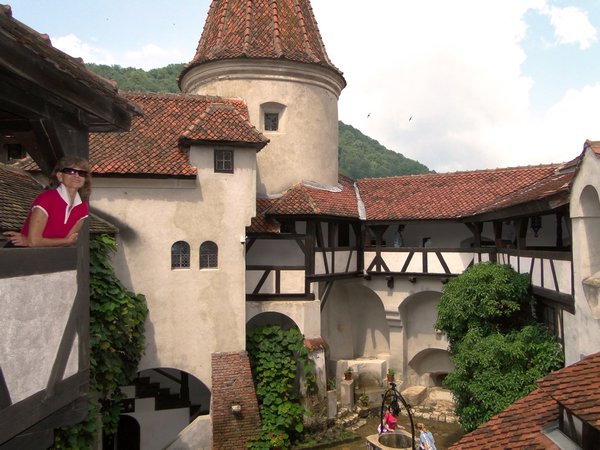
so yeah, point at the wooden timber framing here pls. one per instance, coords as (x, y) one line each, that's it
(49, 103)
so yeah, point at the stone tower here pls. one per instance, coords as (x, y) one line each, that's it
(270, 53)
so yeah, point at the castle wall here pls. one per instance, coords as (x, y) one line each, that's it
(582, 330)
(192, 312)
(305, 147)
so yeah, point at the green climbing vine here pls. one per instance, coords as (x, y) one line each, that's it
(117, 319)
(277, 358)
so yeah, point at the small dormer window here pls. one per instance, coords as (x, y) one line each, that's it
(271, 121)
(224, 161)
(272, 117)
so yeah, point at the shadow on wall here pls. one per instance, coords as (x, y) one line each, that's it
(353, 323)
(271, 318)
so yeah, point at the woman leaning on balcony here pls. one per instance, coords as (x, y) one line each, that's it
(57, 214)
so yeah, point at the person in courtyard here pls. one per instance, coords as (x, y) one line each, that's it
(57, 214)
(390, 421)
(426, 438)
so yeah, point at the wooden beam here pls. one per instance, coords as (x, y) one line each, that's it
(20, 61)
(26, 413)
(15, 262)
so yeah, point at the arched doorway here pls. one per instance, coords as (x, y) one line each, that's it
(128, 433)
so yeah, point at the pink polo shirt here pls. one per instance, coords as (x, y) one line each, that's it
(55, 204)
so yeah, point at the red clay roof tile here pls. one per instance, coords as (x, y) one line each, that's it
(152, 147)
(458, 194)
(576, 387)
(303, 199)
(280, 29)
(260, 223)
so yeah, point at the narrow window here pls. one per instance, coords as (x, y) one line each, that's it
(209, 254)
(180, 255)
(14, 152)
(224, 161)
(271, 121)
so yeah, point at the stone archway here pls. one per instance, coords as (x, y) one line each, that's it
(425, 349)
(353, 323)
(430, 366)
(590, 251)
(271, 318)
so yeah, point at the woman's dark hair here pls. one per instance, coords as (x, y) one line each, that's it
(73, 161)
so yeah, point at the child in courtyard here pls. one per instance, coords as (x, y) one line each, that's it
(426, 439)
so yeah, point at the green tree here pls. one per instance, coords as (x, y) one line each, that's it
(497, 347)
(117, 319)
(277, 357)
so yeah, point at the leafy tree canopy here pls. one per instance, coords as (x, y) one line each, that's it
(497, 347)
(359, 155)
(491, 297)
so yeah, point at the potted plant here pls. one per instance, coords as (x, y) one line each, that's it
(331, 384)
(348, 373)
(390, 374)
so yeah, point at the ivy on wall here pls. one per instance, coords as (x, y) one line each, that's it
(117, 319)
(278, 358)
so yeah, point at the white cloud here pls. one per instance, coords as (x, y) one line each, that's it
(455, 68)
(148, 57)
(151, 56)
(572, 26)
(77, 48)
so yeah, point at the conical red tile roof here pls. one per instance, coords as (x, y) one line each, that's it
(271, 29)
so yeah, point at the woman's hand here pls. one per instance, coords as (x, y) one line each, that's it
(17, 239)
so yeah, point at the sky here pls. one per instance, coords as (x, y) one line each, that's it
(456, 85)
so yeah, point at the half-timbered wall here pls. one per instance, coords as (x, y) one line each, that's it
(44, 356)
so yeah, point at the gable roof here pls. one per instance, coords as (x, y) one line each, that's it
(576, 387)
(153, 147)
(444, 196)
(277, 30)
(307, 199)
(459, 194)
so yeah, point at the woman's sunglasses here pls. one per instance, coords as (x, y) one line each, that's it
(70, 171)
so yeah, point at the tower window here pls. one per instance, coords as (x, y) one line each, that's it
(271, 121)
(224, 161)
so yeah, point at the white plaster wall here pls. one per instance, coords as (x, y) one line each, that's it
(275, 252)
(305, 314)
(34, 312)
(192, 312)
(306, 144)
(582, 330)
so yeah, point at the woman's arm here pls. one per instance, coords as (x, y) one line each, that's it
(37, 223)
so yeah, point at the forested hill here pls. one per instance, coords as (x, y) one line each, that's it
(360, 156)
(363, 157)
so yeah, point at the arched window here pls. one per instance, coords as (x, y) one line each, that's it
(209, 255)
(180, 255)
